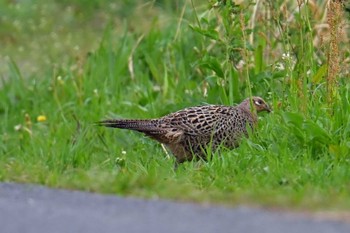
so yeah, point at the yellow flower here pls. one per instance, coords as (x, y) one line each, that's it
(41, 118)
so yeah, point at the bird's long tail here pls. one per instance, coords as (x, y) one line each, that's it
(139, 125)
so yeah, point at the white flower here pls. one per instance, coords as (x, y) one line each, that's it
(266, 169)
(280, 66)
(18, 127)
(286, 56)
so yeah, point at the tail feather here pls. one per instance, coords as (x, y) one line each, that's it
(139, 125)
(151, 128)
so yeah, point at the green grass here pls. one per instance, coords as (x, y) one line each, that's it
(299, 157)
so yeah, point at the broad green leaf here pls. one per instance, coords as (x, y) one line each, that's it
(293, 118)
(315, 132)
(213, 64)
(211, 33)
(321, 72)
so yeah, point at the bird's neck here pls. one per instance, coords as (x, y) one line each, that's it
(251, 111)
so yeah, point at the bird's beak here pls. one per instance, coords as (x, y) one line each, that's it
(268, 109)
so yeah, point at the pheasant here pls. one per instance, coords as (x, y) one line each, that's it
(188, 133)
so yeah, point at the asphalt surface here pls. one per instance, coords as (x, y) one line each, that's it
(37, 209)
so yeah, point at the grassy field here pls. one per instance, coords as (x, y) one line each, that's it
(67, 65)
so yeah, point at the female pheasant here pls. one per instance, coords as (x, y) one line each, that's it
(189, 132)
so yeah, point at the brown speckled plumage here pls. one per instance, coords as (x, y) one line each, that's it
(190, 131)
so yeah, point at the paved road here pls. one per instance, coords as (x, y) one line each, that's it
(36, 209)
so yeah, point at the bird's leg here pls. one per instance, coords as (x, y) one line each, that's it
(165, 150)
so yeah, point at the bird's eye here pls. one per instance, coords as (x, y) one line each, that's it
(258, 102)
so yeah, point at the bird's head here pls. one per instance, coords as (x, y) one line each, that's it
(258, 103)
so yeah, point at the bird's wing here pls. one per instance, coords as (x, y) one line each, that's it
(199, 121)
